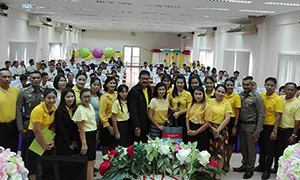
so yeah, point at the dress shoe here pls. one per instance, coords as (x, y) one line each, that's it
(274, 170)
(240, 169)
(248, 174)
(265, 175)
(259, 169)
(225, 170)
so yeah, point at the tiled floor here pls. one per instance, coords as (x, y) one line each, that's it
(231, 175)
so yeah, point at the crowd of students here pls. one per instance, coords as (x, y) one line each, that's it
(205, 104)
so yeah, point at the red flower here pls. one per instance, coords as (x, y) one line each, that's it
(113, 154)
(214, 164)
(183, 166)
(104, 166)
(130, 151)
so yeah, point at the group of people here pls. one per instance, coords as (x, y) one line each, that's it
(209, 111)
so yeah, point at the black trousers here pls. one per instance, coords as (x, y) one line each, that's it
(266, 148)
(9, 136)
(281, 143)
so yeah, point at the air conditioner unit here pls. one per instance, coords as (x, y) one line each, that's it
(60, 27)
(37, 21)
(244, 29)
(46, 21)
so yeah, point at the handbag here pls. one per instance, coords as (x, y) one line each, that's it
(174, 133)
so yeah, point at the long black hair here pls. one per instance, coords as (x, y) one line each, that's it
(190, 83)
(62, 104)
(94, 79)
(167, 76)
(107, 81)
(175, 90)
(158, 85)
(57, 79)
(203, 102)
(120, 89)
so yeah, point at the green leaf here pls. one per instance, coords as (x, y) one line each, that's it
(160, 162)
(150, 157)
(169, 171)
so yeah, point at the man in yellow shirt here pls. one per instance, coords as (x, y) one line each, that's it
(273, 111)
(290, 121)
(9, 134)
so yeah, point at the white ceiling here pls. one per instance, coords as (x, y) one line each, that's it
(168, 16)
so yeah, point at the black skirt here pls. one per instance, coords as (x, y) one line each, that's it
(91, 144)
(107, 140)
(202, 138)
(123, 127)
(232, 139)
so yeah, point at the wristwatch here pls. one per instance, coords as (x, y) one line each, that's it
(274, 131)
(295, 136)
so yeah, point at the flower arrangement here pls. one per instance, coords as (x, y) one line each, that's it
(158, 158)
(289, 163)
(11, 166)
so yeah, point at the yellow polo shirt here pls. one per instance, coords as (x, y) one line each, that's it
(198, 115)
(207, 97)
(105, 106)
(77, 95)
(160, 109)
(88, 116)
(273, 104)
(291, 112)
(185, 98)
(116, 109)
(8, 104)
(41, 115)
(169, 90)
(219, 110)
(234, 100)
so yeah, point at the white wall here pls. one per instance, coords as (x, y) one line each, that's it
(14, 28)
(117, 40)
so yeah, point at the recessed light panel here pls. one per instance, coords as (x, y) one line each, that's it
(231, 17)
(282, 4)
(113, 2)
(75, 9)
(256, 11)
(232, 1)
(115, 11)
(155, 13)
(194, 15)
(163, 6)
(210, 9)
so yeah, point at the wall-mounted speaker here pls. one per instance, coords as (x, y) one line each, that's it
(83, 30)
(3, 6)
(178, 35)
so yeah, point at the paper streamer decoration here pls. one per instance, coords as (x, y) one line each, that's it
(84, 53)
(90, 56)
(97, 53)
(109, 52)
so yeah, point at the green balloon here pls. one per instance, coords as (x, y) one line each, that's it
(109, 52)
(84, 53)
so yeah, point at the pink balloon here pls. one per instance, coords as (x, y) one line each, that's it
(97, 53)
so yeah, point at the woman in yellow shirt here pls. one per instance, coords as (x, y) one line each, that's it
(235, 102)
(42, 116)
(209, 83)
(198, 118)
(84, 117)
(194, 81)
(167, 80)
(105, 106)
(179, 99)
(221, 116)
(80, 82)
(158, 111)
(120, 116)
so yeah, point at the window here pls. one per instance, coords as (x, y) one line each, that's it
(22, 51)
(236, 60)
(55, 51)
(132, 57)
(206, 57)
(288, 68)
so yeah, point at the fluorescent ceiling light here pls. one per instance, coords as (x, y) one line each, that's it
(282, 4)
(76, 9)
(64, 0)
(115, 11)
(155, 13)
(256, 11)
(211, 9)
(231, 17)
(232, 1)
(194, 15)
(162, 6)
(112, 2)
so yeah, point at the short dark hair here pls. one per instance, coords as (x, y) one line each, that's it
(248, 78)
(56, 80)
(48, 91)
(44, 74)
(229, 79)
(23, 77)
(36, 72)
(291, 83)
(70, 73)
(236, 72)
(144, 72)
(145, 62)
(158, 85)
(79, 74)
(210, 78)
(281, 87)
(44, 65)
(31, 60)
(107, 81)
(62, 104)
(93, 74)
(271, 79)
(7, 62)
(221, 71)
(84, 90)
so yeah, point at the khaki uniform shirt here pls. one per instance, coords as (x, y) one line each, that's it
(252, 109)
(28, 98)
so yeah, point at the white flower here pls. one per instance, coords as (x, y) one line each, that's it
(164, 149)
(204, 159)
(16, 177)
(11, 169)
(182, 155)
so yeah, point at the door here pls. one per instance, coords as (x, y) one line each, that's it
(132, 64)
